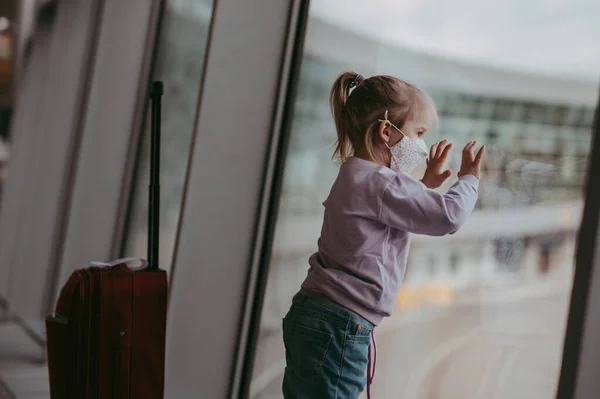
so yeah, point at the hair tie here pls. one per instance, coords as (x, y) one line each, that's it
(357, 81)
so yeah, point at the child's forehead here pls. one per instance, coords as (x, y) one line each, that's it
(417, 123)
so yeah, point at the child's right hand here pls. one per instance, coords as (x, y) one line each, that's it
(471, 163)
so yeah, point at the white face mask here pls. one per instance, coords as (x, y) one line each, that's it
(408, 153)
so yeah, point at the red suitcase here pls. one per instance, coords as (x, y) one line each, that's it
(106, 338)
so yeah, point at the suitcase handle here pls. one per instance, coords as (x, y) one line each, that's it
(156, 93)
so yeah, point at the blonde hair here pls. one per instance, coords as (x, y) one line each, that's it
(357, 104)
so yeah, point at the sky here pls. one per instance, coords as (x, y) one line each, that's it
(553, 37)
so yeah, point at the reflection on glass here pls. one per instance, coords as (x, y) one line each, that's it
(179, 63)
(480, 314)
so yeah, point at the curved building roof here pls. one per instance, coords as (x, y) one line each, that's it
(349, 50)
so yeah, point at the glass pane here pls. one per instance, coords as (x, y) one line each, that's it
(179, 62)
(482, 313)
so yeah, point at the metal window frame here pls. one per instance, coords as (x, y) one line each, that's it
(229, 189)
(23, 131)
(581, 352)
(270, 206)
(46, 138)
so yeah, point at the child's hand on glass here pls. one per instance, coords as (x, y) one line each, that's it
(436, 174)
(471, 163)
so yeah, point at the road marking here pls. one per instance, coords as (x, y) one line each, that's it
(488, 373)
(418, 376)
(503, 374)
(516, 341)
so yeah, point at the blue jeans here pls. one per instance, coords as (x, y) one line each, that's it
(326, 350)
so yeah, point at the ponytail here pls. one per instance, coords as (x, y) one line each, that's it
(356, 115)
(338, 97)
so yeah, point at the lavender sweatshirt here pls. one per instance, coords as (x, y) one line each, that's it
(370, 215)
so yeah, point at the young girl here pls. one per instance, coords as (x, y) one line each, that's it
(372, 210)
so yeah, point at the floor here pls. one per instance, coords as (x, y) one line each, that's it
(23, 372)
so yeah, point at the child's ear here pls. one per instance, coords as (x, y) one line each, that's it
(384, 131)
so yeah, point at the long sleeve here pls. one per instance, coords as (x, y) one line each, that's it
(410, 206)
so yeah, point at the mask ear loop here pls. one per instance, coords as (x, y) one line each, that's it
(395, 127)
(385, 117)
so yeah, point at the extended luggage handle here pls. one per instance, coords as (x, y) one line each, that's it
(156, 92)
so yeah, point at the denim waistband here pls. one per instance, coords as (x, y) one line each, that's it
(325, 303)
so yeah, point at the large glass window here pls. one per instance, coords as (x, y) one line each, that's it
(179, 61)
(481, 314)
